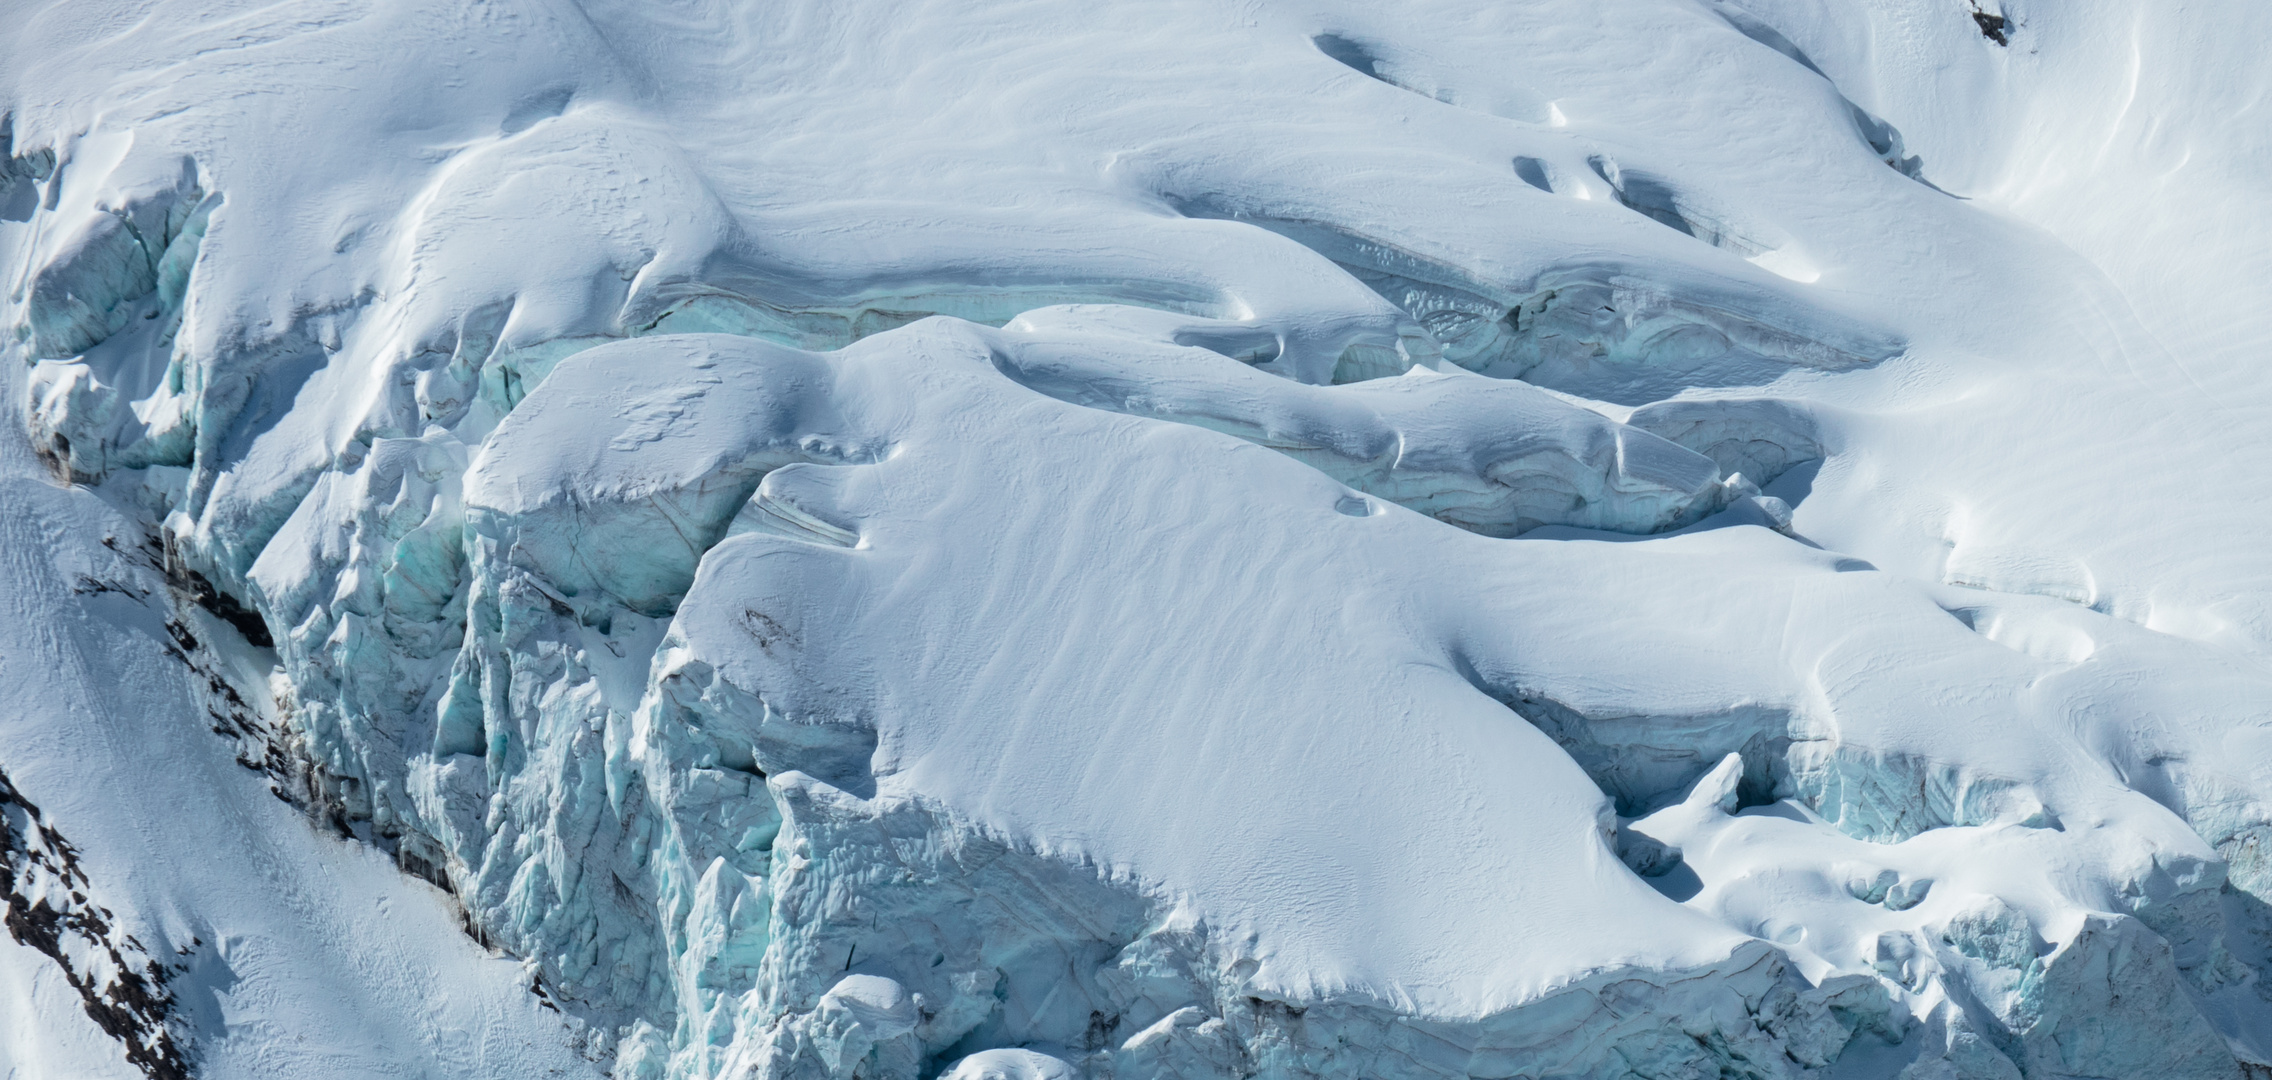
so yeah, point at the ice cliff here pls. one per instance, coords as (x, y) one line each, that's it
(1635, 539)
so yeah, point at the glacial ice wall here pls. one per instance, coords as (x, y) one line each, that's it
(1334, 555)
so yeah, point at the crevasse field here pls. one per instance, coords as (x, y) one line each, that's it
(1034, 539)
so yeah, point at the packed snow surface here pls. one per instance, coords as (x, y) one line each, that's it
(1016, 541)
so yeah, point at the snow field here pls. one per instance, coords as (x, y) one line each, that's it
(1022, 540)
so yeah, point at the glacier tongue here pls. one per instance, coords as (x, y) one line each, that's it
(1034, 541)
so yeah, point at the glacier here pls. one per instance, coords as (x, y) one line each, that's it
(1633, 538)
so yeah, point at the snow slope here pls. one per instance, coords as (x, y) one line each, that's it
(1580, 538)
(285, 951)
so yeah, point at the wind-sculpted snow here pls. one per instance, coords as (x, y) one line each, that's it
(1046, 540)
(872, 656)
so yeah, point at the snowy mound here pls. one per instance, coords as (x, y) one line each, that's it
(1570, 539)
